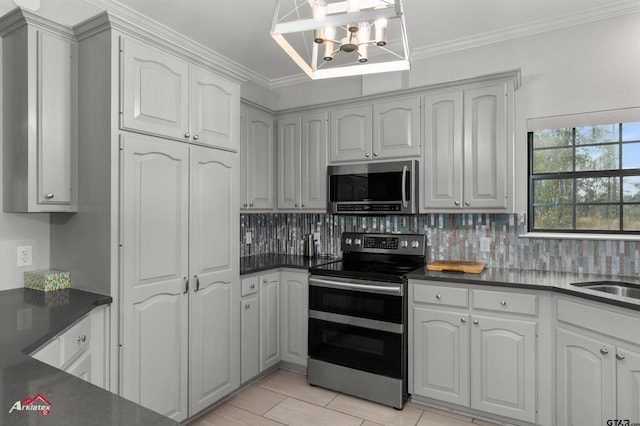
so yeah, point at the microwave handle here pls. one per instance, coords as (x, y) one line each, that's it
(404, 186)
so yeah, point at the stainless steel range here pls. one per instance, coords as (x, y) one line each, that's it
(358, 317)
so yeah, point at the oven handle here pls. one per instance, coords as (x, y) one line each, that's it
(388, 327)
(404, 186)
(381, 289)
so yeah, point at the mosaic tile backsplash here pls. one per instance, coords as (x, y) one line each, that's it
(449, 236)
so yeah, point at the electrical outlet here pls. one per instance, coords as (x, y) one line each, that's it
(485, 244)
(25, 256)
(24, 319)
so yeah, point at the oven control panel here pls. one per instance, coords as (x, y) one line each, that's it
(383, 243)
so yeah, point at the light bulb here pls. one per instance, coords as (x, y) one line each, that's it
(363, 41)
(381, 31)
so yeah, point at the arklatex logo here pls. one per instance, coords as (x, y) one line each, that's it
(38, 403)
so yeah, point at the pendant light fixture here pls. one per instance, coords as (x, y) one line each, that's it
(340, 38)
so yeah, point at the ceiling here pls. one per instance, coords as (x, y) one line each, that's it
(239, 29)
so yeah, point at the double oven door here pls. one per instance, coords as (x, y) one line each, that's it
(358, 324)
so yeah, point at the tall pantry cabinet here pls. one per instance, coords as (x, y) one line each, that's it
(158, 215)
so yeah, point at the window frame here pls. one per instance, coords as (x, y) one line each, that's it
(573, 175)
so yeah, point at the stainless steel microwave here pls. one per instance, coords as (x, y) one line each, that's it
(373, 188)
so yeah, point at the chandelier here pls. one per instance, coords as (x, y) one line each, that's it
(342, 38)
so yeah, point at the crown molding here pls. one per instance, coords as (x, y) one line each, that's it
(618, 8)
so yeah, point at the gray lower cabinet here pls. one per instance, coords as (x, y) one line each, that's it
(274, 316)
(598, 364)
(475, 348)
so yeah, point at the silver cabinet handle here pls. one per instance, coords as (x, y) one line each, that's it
(250, 204)
(48, 196)
(375, 154)
(503, 302)
(247, 306)
(187, 135)
(264, 280)
(302, 204)
(438, 297)
(366, 154)
(82, 339)
(186, 286)
(196, 137)
(296, 204)
(457, 203)
(466, 203)
(252, 286)
(197, 282)
(475, 322)
(244, 205)
(604, 351)
(463, 320)
(619, 356)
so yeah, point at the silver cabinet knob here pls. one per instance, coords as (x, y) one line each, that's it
(252, 286)
(196, 137)
(375, 154)
(82, 339)
(438, 297)
(457, 203)
(250, 204)
(503, 302)
(475, 322)
(244, 205)
(463, 320)
(296, 204)
(187, 135)
(466, 203)
(247, 306)
(619, 356)
(366, 154)
(303, 204)
(604, 351)
(264, 280)
(48, 196)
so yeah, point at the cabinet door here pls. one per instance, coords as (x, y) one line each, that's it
(155, 91)
(214, 332)
(244, 146)
(503, 368)
(56, 113)
(487, 151)
(442, 152)
(294, 290)
(441, 355)
(250, 333)
(314, 161)
(585, 380)
(215, 107)
(289, 163)
(81, 367)
(260, 161)
(155, 202)
(269, 320)
(628, 372)
(396, 128)
(351, 134)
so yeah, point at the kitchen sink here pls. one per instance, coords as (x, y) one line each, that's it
(614, 287)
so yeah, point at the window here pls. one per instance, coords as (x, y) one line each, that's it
(585, 179)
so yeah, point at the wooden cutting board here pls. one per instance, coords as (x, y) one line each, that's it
(456, 265)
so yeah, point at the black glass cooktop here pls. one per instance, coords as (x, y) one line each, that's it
(371, 267)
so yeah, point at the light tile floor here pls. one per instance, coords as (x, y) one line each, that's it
(285, 398)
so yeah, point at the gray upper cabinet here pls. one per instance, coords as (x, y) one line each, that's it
(39, 84)
(468, 150)
(385, 129)
(302, 162)
(257, 161)
(165, 96)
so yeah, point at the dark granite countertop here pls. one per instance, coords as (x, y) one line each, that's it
(536, 280)
(73, 401)
(264, 262)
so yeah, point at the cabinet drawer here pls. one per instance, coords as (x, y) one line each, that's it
(75, 340)
(440, 295)
(505, 302)
(249, 286)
